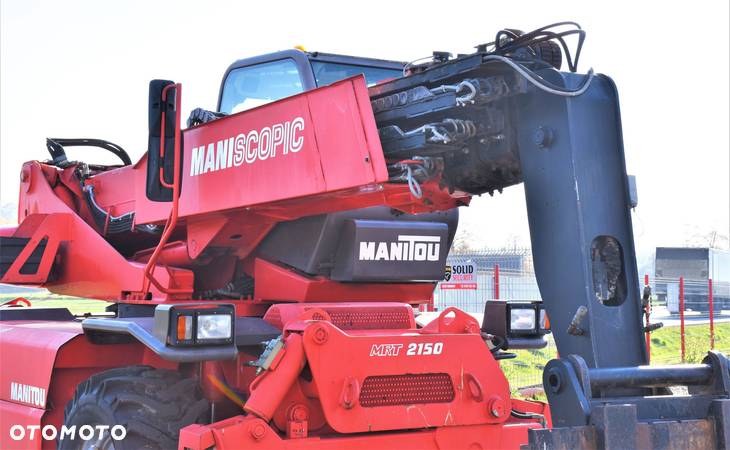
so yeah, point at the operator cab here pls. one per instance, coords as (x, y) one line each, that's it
(256, 81)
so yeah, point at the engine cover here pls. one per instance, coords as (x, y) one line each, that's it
(375, 250)
(370, 244)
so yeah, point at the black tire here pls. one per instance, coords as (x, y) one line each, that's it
(550, 52)
(152, 404)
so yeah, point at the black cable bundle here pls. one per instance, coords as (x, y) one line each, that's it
(508, 41)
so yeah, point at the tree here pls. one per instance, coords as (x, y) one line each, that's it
(463, 241)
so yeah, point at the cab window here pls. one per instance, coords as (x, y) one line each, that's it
(252, 86)
(327, 72)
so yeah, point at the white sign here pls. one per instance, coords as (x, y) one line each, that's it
(460, 276)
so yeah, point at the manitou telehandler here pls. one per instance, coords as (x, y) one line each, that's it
(265, 265)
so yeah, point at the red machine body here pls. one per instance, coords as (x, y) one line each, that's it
(353, 391)
(335, 169)
(42, 363)
(265, 265)
(353, 370)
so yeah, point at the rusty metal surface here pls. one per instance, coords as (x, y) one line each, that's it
(670, 435)
(676, 435)
(568, 438)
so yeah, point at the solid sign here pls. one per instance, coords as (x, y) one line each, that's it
(460, 276)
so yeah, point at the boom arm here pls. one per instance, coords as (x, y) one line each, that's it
(578, 205)
(565, 143)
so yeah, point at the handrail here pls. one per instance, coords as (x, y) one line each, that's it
(149, 277)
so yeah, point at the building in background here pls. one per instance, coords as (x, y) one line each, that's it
(470, 278)
(696, 266)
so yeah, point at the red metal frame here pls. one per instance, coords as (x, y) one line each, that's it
(337, 168)
(328, 410)
(49, 227)
(89, 266)
(251, 432)
(52, 358)
(279, 283)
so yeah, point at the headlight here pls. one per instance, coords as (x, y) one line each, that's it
(522, 319)
(195, 324)
(513, 320)
(216, 326)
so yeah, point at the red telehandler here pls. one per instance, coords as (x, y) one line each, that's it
(265, 265)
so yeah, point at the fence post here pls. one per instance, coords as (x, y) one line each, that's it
(647, 313)
(496, 281)
(681, 314)
(712, 315)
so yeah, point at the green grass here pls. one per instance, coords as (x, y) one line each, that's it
(526, 369)
(47, 300)
(666, 342)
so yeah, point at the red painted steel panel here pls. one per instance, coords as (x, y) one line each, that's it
(278, 283)
(41, 364)
(346, 316)
(27, 353)
(17, 414)
(342, 361)
(319, 141)
(89, 266)
(250, 432)
(343, 149)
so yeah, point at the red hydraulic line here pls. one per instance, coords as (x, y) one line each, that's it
(681, 313)
(712, 315)
(269, 389)
(149, 277)
(496, 281)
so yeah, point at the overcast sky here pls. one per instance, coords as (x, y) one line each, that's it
(81, 69)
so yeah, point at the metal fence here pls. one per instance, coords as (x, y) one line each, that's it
(499, 274)
(692, 311)
(698, 308)
(504, 274)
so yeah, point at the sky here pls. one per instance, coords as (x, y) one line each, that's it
(81, 69)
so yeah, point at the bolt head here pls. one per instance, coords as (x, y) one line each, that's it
(258, 431)
(298, 413)
(320, 335)
(495, 406)
(543, 137)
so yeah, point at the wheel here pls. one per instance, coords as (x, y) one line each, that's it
(151, 404)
